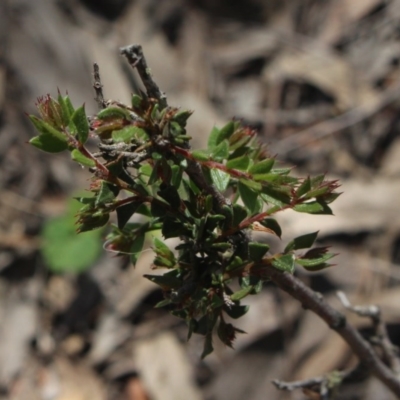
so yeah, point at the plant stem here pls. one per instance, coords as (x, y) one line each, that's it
(335, 320)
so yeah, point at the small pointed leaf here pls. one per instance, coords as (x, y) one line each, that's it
(80, 121)
(106, 194)
(240, 163)
(304, 188)
(221, 151)
(77, 156)
(128, 133)
(262, 167)
(273, 225)
(220, 179)
(125, 212)
(136, 248)
(284, 263)
(257, 251)
(249, 197)
(313, 207)
(301, 242)
(241, 293)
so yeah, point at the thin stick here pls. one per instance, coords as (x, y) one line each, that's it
(98, 87)
(135, 57)
(336, 321)
(382, 336)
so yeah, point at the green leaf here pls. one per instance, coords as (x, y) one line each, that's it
(128, 133)
(106, 194)
(228, 213)
(301, 242)
(221, 151)
(281, 171)
(156, 156)
(225, 132)
(236, 311)
(272, 225)
(240, 163)
(219, 135)
(136, 101)
(315, 259)
(48, 144)
(240, 143)
(317, 180)
(275, 196)
(136, 248)
(163, 303)
(77, 156)
(213, 221)
(208, 206)
(249, 197)
(172, 227)
(176, 178)
(92, 221)
(182, 116)
(65, 111)
(328, 198)
(167, 281)
(220, 179)
(216, 302)
(125, 212)
(241, 293)
(235, 264)
(266, 177)
(63, 249)
(162, 249)
(239, 214)
(146, 169)
(251, 184)
(113, 113)
(253, 281)
(50, 140)
(80, 121)
(262, 167)
(313, 207)
(317, 192)
(163, 262)
(257, 251)
(226, 333)
(208, 346)
(143, 209)
(315, 265)
(284, 263)
(170, 194)
(201, 155)
(221, 246)
(304, 188)
(212, 139)
(68, 105)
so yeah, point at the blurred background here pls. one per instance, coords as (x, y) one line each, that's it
(319, 80)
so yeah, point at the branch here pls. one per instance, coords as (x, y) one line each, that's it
(382, 339)
(327, 384)
(98, 87)
(320, 384)
(336, 321)
(135, 57)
